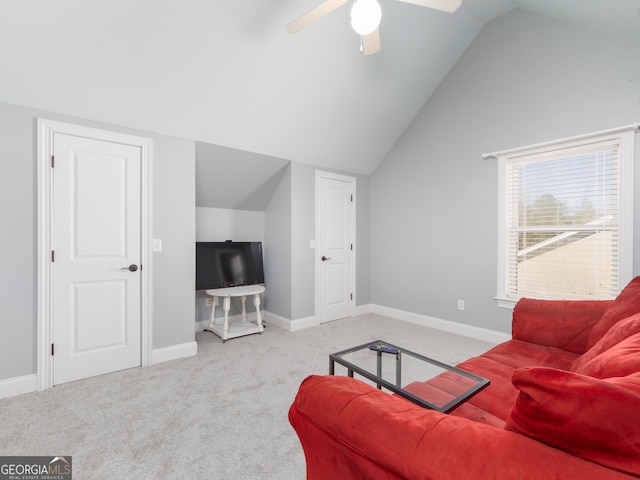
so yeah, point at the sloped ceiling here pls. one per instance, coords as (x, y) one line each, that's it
(235, 179)
(227, 73)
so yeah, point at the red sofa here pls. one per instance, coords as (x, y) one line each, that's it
(564, 403)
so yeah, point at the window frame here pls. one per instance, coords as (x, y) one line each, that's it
(625, 137)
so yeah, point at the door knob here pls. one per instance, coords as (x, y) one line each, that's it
(324, 259)
(132, 268)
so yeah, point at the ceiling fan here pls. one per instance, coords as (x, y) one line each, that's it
(365, 18)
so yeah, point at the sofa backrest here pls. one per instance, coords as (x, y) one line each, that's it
(627, 303)
(592, 410)
(565, 324)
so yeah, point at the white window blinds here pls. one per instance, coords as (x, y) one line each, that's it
(567, 230)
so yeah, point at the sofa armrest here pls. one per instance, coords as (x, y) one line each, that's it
(350, 430)
(564, 324)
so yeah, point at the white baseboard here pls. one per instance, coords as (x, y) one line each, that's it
(269, 319)
(290, 325)
(307, 322)
(445, 325)
(201, 325)
(18, 385)
(29, 383)
(278, 321)
(432, 322)
(300, 323)
(174, 352)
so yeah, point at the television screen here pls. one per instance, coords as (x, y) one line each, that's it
(228, 264)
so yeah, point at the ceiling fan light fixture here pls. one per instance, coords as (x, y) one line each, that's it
(365, 16)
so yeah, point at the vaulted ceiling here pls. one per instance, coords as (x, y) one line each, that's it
(227, 73)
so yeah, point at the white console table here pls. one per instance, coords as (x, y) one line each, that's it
(240, 327)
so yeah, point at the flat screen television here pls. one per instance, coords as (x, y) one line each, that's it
(228, 264)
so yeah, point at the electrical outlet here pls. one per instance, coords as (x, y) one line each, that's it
(208, 302)
(460, 304)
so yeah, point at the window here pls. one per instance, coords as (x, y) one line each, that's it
(565, 218)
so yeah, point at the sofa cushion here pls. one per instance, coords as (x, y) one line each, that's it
(620, 331)
(518, 354)
(626, 304)
(497, 399)
(564, 324)
(592, 418)
(630, 382)
(498, 364)
(435, 392)
(618, 361)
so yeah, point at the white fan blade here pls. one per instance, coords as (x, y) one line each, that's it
(444, 5)
(314, 15)
(371, 42)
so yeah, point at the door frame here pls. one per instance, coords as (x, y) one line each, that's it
(352, 180)
(46, 130)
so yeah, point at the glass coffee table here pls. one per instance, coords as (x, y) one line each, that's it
(427, 382)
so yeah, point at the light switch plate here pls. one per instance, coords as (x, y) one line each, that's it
(157, 245)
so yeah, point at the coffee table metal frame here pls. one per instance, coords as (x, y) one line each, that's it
(380, 382)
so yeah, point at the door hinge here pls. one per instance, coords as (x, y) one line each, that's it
(352, 296)
(352, 247)
(352, 198)
(52, 349)
(53, 161)
(53, 256)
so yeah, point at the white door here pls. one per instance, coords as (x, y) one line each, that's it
(335, 245)
(96, 252)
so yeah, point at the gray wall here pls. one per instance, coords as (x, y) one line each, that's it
(363, 240)
(277, 249)
(289, 225)
(18, 246)
(303, 229)
(525, 79)
(173, 219)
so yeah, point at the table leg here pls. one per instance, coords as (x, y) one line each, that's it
(379, 368)
(398, 369)
(244, 308)
(226, 305)
(256, 302)
(214, 304)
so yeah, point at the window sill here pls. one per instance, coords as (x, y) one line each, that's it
(505, 302)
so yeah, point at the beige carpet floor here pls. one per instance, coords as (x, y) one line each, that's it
(219, 415)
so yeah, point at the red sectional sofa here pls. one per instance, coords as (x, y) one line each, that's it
(564, 403)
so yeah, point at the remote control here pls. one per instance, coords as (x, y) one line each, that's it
(381, 347)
